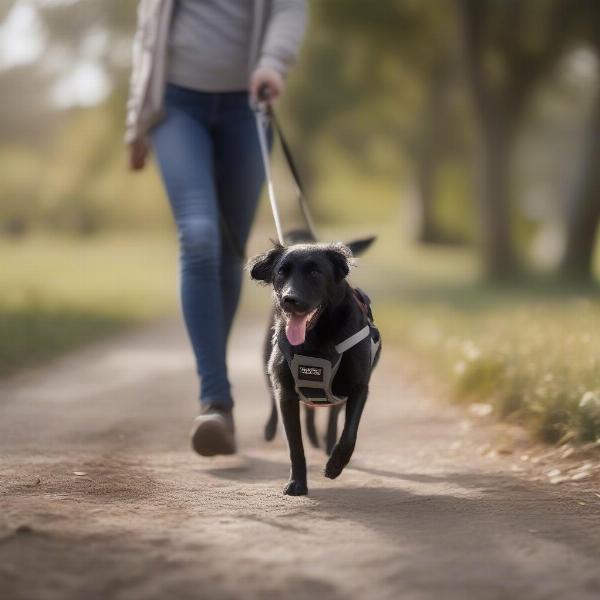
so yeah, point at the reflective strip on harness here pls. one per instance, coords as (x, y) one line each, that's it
(359, 336)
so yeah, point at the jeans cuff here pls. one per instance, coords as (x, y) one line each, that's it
(225, 403)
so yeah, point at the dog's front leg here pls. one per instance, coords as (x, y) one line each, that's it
(290, 413)
(343, 450)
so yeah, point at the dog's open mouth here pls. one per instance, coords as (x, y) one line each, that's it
(297, 324)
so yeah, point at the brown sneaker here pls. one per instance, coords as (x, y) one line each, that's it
(213, 432)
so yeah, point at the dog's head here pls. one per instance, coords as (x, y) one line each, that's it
(305, 279)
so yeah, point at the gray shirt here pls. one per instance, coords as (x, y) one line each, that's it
(275, 36)
(209, 45)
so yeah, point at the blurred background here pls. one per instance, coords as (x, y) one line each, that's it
(464, 133)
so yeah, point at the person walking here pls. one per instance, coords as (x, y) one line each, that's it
(198, 66)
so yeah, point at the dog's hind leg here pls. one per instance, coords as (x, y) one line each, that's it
(271, 424)
(332, 425)
(290, 413)
(311, 429)
(342, 452)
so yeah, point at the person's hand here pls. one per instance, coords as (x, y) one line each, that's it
(138, 152)
(265, 77)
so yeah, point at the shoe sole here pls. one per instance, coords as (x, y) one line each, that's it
(212, 437)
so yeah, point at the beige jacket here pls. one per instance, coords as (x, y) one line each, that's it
(276, 36)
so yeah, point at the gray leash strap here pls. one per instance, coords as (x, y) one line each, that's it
(287, 152)
(264, 116)
(262, 122)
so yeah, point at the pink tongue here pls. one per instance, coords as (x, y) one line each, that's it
(295, 329)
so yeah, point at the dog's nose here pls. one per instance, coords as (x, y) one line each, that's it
(292, 303)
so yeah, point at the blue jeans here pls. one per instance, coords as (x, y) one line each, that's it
(208, 153)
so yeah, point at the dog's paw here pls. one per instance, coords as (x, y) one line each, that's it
(339, 458)
(295, 488)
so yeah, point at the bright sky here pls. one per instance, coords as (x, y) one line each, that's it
(21, 36)
(80, 81)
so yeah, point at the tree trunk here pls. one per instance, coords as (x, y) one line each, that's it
(432, 137)
(494, 201)
(495, 125)
(426, 231)
(584, 214)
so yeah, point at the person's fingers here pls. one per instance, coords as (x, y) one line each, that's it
(265, 91)
(138, 151)
(136, 162)
(266, 82)
(256, 85)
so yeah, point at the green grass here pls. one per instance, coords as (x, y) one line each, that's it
(57, 293)
(531, 350)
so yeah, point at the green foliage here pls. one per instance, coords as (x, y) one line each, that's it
(79, 181)
(453, 208)
(31, 334)
(531, 350)
(58, 293)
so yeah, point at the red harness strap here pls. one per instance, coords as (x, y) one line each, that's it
(360, 301)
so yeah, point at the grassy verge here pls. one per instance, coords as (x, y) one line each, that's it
(57, 293)
(530, 352)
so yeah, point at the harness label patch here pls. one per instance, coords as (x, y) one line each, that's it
(310, 373)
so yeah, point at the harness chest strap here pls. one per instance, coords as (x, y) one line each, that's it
(368, 330)
(313, 376)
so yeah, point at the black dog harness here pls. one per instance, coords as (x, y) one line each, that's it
(313, 376)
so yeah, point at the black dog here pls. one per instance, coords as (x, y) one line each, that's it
(302, 236)
(319, 320)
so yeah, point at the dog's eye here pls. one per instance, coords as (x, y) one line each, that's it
(283, 271)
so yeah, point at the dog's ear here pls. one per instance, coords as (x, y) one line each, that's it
(261, 266)
(359, 246)
(340, 257)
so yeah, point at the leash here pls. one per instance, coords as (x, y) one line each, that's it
(265, 116)
(262, 115)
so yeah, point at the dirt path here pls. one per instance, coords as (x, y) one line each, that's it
(101, 498)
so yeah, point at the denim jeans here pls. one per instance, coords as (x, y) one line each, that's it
(208, 153)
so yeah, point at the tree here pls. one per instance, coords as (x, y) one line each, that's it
(398, 62)
(28, 114)
(584, 214)
(507, 47)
